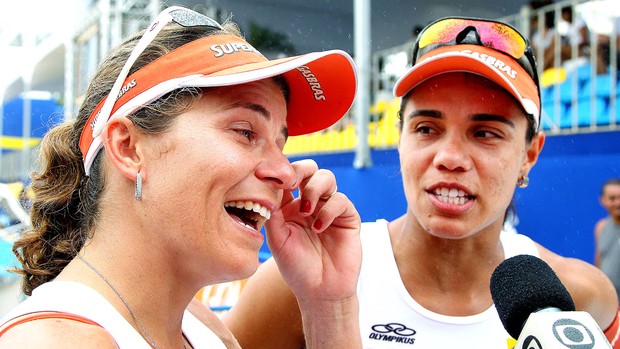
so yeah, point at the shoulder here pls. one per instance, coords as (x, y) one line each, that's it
(590, 289)
(266, 315)
(598, 228)
(579, 277)
(213, 322)
(57, 333)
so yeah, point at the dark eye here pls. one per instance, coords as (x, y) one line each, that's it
(485, 134)
(424, 129)
(247, 134)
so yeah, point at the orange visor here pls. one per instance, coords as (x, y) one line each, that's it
(322, 84)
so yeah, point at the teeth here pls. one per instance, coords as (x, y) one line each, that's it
(452, 196)
(450, 200)
(246, 225)
(250, 206)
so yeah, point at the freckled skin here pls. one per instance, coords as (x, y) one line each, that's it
(457, 149)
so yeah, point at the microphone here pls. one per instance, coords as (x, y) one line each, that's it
(537, 310)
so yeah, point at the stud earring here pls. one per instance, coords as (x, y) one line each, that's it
(523, 181)
(138, 190)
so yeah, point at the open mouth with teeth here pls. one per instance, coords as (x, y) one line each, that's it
(248, 213)
(452, 196)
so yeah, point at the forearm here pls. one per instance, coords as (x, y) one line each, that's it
(331, 324)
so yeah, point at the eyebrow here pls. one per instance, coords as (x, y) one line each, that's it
(425, 112)
(493, 117)
(436, 114)
(261, 110)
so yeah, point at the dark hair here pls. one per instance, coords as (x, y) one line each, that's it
(612, 181)
(65, 206)
(536, 4)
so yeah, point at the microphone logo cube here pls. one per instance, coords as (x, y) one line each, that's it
(573, 334)
(561, 330)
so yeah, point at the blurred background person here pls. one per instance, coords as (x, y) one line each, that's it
(543, 35)
(574, 33)
(607, 233)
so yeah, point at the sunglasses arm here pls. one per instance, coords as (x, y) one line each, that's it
(106, 110)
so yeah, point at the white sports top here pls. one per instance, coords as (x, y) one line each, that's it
(76, 298)
(391, 318)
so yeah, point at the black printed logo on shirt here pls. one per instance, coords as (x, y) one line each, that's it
(393, 332)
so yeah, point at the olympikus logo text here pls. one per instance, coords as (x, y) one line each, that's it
(223, 49)
(393, 332)
(394, 339)
(494, 62)
(313, 82)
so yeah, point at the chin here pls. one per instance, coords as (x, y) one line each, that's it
(448, 231)
(250, 268)
(245, 267)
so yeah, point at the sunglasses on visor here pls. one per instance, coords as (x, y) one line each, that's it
(494, 35)
(178, 15)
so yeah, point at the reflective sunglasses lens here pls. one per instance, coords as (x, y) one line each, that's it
(493, 35)
(189, 18)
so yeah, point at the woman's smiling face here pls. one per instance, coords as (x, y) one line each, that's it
(219, 173)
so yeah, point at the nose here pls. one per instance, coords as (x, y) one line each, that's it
(452, 154)
(276, 169)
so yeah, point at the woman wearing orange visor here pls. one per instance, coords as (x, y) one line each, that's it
(162, 184)
(470, 118)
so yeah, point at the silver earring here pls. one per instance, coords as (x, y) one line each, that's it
(138, 191)
(523, 181)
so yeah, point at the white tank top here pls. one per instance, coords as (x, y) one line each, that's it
(391, 318)
(79, 299)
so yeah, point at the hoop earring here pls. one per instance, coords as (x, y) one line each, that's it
(523, 181)
(138, 190)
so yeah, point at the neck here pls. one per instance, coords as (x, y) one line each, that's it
(139, 291)
(450, 277)
(480, 248)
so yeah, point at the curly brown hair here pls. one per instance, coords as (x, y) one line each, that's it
(65, 204)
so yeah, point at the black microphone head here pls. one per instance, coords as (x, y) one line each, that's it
(522, 285)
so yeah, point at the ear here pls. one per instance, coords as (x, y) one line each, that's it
(532, 152)
(123, 147)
